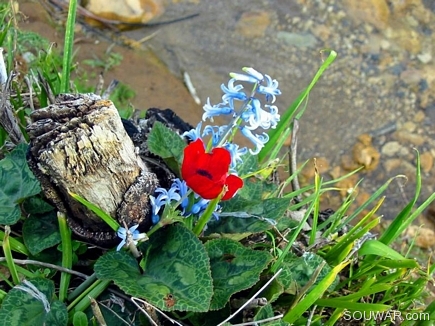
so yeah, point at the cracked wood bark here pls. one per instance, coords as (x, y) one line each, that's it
(79, 145)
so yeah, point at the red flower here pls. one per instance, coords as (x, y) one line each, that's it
(207, 173)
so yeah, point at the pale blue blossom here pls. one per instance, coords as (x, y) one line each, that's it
(216, 132)
(135, 235)
(182, 189)
(253, 76)
(257, 139)
(216, 110)
(270, 90)
(236, 154)
(164, 198)
(233, 92)
(256, 117)
(194, 134)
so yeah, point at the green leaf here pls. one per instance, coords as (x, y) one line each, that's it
(36, 205)
(18, 183)
(297, 272)
(375, 247)
(243, 216)
(176, 273)
(234, 268)
(41, 232)
(80, 319)
(24, 305)
(165, 143)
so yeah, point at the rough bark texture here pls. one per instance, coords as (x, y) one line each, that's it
(79, 145)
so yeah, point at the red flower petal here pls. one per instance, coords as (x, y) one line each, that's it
(207, 173)
(234, 183)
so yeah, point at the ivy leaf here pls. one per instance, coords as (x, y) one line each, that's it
(18, 183)
(176, 271)
(41, 232)
(165, 143)
(32, 303)
(234, 268)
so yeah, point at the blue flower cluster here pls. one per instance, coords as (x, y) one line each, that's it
(248, 118)
(178, 193)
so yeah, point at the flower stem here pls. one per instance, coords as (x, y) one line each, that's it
(236, 121)
(205, 217)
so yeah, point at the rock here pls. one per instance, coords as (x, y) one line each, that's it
(253, 24)
(392, 164)
(299, 40)
(426, 162)
(391, 148)
(425, 57)
(322, 165)
(419, 116)
(126, 11)
(424, 237)
(409, 137)
(374, 12)
(363, 153)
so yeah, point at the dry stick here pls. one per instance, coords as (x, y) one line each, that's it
(152, 320)
(40, 263)
(292, 159)
(97, 312)
(7, 118)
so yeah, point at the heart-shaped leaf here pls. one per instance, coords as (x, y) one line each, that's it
(18, 183)
(176, 271)
(234, 268)
(32, 303)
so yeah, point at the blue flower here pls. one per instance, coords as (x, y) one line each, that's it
(236, 153)
(233, 92)
(256, 117)
(194, 134)
(135, 235)
(181, 186)
(257, 140)
(253, 76)
(164, 198)
(270, 90)
(216, 132)
(216, 110)
(200, 205)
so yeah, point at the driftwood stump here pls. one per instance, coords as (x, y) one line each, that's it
(80, 145)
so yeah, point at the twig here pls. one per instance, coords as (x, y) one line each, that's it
(253, 297)
(293, 160)
(134, 299)
(97, 312)
(310, 317)
(7, 118)
(40, 263)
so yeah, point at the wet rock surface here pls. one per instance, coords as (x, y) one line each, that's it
(381, 83)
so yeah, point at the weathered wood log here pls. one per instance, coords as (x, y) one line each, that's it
(79, 145)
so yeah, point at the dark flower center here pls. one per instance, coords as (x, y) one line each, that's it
(204, 173)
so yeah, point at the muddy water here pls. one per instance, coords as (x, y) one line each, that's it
(381, 83)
